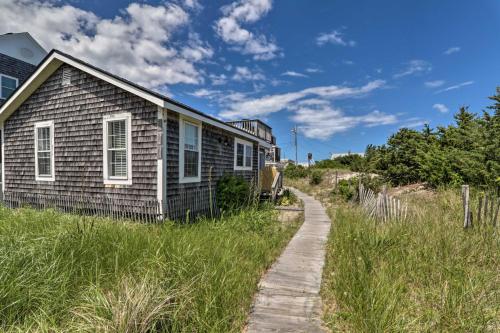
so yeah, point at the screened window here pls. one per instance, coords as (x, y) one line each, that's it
(44, 151)
(243, 155)
(190, 151)
(8, 85)
(117, 149)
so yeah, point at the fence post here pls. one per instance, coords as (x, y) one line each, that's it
(465, 197)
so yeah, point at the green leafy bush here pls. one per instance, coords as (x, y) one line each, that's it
(293, 171)
(233, 192)
(344, 189)
(288, 198)
(316, 177)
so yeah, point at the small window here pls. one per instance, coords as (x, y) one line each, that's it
(243, 154)
(117, 149)
(8, 85)
(44, 151)
(190, 151)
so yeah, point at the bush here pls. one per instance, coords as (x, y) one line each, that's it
(293, 171)
(316, 177)
(233, 192)
(344, 189)
(288, 198)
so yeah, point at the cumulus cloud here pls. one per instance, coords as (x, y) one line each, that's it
(440, 107)
(138, 44)
(452, 50)
(263, 106)
(313, 70)
(434, 84)
(414, 67)
(456, 86)
(293, 74)
(321, 121)
(335, 37)
(229, 28)
(242, 73)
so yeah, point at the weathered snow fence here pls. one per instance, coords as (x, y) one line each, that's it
(487, 209)
(382, 206)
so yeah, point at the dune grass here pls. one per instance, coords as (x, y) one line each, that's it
(428, 275)
(64, 273)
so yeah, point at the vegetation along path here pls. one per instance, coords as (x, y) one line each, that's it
(288, 298)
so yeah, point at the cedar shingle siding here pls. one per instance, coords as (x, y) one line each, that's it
(16, 68)
(77, 111)
(217, 148)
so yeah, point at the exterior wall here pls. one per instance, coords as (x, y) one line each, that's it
(16, 68)
(77, 111)
(215, 153)
(22, 46)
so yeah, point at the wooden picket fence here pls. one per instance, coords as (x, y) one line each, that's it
(185, 207)
(484, 213)
(381, 206)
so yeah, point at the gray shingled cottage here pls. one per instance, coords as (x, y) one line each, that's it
(72, 129)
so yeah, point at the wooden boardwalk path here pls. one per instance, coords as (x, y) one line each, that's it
(288, 299)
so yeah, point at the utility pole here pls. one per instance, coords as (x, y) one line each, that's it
(294, 131)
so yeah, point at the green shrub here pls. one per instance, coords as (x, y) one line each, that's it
(316, 177)
(344, 189)
(233, 192)
(288, 198)
(293, 171)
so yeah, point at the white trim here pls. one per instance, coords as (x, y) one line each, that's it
(194, 122)
(9, 77)
(52, 63)
(3, 158)
(52, 176)
(245, 144)
(108, 180)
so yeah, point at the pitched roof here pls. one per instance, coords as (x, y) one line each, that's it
(56, 58)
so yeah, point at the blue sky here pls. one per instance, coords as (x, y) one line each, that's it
(347, 73)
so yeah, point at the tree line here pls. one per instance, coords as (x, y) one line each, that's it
(465, 152)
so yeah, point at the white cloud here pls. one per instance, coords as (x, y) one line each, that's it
(229, 28)
(245, 74)
(335, 37)
(434, 84)
(348, 62)
(218, 80)
(205, 93)
(138, 44)
(413, 67)
(293, 74)
(452, 50)
(258, 107)
(322, 121)
(313, 70)
(413, 122)
(440, 107)
(456, 86)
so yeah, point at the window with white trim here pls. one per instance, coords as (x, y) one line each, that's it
(243, 154)
(190, 151)
(7, 85)
(44, 151)
(117, 149)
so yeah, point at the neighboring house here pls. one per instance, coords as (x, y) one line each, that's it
(19, 56)
(335, 155)
(74, 129)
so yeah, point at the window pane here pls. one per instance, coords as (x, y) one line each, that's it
(190, 163)
(239, 154)
(248, 156)
(43, 136)
(117, 137)
(118, 163)
(6, 92)
(44, 163)
(9, 83)
(190, 137)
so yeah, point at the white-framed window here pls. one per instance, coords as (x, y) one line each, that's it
(243, 154)
(117, 149)
(7, 85)
(189, 151)
(44, 151)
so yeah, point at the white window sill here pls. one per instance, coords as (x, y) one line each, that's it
(45, 179)
(239, 168)
(186, 180)
(117, 181)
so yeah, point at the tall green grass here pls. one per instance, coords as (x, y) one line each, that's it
(64, 273)
(427, 275)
